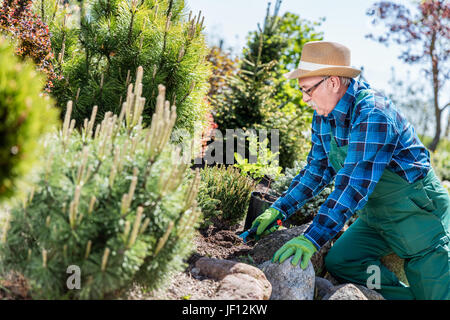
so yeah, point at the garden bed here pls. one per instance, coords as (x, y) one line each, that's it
(214, 243)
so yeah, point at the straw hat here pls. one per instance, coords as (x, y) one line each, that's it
(323, 58)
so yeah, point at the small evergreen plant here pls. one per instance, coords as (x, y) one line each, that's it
(114, 201)
(224, 195)
(98, 58)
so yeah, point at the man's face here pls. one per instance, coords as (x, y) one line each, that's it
(322, 98)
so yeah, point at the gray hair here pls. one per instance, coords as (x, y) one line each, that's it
(345, 81)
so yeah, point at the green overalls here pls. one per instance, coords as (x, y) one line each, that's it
(411, 220)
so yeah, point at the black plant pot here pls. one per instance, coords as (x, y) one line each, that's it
(257, 206)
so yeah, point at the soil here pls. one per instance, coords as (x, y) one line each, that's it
(213, 242)
(217, 241)
(14, 287)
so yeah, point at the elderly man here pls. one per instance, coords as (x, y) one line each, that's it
(382, 173)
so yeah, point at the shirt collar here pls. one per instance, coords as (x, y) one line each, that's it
(342, 110)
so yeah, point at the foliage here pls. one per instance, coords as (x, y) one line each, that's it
(446, 185)
(223, 66)
(207, 134)
(224, 195)
(98, 58)
(311, 207)
(259, 97)
(31, 35)
(113, 200)
(25, 117)
(441, 164)
(424, 38)
(240, 106)
(292, 117)
(266, 162)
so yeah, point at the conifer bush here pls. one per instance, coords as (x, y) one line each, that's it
(25, 116)
(259, 97)
(99, 56)
(114, 200)
(224, 195)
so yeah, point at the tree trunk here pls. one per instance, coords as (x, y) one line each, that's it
(447, 130)
(437, 112)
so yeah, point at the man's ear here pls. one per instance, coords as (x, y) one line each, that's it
(335, 84)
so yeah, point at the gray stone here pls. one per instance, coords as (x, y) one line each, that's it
(238, 281)
(241, 286)
(266, 247)
(195, 271)
(323, 287)
(369, 293)
(346, 291)
(290, 282)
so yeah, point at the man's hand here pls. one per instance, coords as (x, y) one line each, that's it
(300, 247)
(264, 220)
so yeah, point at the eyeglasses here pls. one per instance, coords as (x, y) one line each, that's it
(309, 91)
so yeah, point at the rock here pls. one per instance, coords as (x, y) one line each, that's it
(218, 269)
(395, 264)
(195, 271)
(323, 287)
(238, 281)
(266, 247)
(345, 292)
(330, 278)
(241, 286)
(369, 293)
(290, 282)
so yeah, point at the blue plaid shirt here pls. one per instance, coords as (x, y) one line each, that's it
(378, 137)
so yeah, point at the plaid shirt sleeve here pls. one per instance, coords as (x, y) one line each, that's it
(372, 142)
(315, 176)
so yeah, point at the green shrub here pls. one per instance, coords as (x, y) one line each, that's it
(100, 55)
(266, 162)
(114, 200)
(259, 97)
(224, 195)
(25, 116)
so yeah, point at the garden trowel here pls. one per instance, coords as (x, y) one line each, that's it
(252, 231)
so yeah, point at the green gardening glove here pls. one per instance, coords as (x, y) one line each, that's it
(300, 247)
(266, 218)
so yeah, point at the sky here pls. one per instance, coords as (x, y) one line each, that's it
(346, 22)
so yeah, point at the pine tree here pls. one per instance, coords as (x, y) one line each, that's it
(99, 56)
(260, 97)
(114, 200)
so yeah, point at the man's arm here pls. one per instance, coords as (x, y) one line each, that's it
(311, 179)
(372, 141)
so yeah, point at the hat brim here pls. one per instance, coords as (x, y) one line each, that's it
(330, 71)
